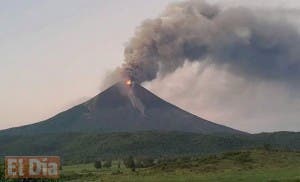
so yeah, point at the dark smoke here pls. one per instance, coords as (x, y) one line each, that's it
(247, 43)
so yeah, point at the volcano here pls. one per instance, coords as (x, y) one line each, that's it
(123, 108)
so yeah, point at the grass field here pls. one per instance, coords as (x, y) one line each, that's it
(254, 165)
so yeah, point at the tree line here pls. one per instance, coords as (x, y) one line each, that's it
(129, 162)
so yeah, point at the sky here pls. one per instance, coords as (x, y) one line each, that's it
(54, 54)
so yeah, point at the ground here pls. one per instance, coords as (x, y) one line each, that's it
(253, 165)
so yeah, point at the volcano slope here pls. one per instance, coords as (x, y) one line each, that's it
(130, 120)
(123, 108)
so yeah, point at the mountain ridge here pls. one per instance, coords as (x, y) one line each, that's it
(123, 108)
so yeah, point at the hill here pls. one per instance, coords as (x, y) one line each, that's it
(123, 108)
(82, 148)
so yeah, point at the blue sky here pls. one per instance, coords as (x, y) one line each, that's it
(55, 53)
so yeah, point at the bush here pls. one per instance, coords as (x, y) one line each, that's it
(244, 157)
(107, 164)
(117, 172)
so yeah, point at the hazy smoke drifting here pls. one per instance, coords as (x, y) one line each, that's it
(247, 43)
(222, 97)
(236, 66)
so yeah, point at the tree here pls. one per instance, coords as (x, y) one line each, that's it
(98, 164)
(1, 173)
(129, 163)
(119, 164)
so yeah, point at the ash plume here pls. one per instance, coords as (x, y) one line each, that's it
(233, 65)
(225, 98)
(247, 43)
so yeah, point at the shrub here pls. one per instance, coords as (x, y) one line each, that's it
(244, 157)
(107, 164)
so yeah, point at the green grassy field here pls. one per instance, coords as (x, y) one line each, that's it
(254, 165)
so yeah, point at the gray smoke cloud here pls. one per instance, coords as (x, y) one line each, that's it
(247, 43)
(225, 98)
(232, 65)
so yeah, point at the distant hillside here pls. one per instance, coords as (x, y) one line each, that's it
(288, 140)
(78, 148)
(123, 108)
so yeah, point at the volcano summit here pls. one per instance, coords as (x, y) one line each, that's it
(123, 108)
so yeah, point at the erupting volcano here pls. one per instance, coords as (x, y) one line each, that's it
(123, 109)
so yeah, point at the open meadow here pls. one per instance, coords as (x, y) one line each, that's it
(254, 165)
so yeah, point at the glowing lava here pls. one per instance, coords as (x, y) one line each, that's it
(128, 82)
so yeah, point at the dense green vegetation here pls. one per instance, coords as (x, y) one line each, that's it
(246, 165)
(253, 165)
(85, 148)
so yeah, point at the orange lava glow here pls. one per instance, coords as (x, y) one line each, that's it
(128, 82)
